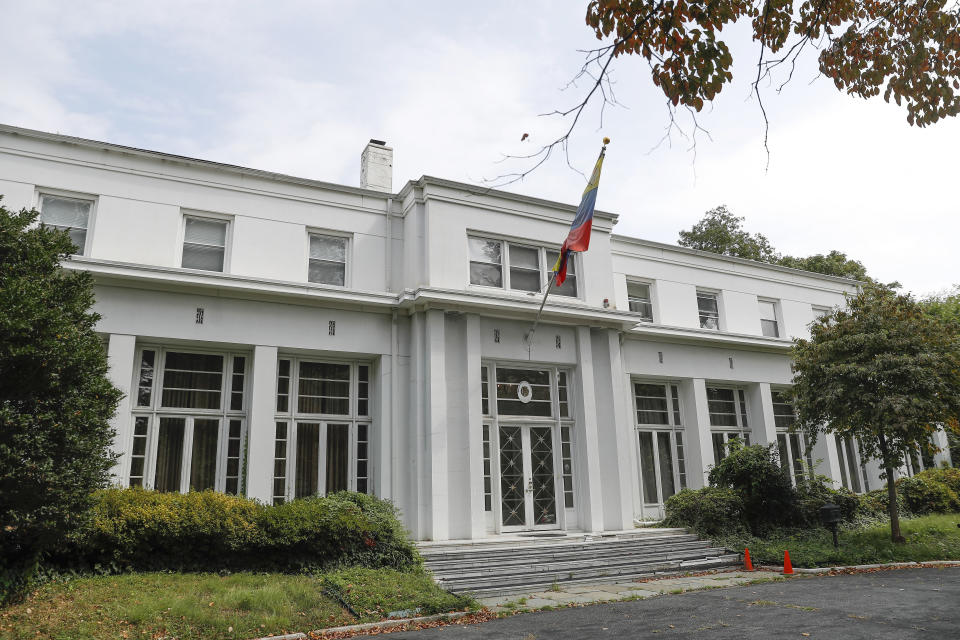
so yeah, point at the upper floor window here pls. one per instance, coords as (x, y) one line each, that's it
(768, 319)
(709, 309)
(508, 265)
(67, 214)
(328, 260)
(204, 243)
(819, 312)
(639, 300)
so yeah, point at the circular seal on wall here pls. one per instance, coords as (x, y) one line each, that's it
(524, 392)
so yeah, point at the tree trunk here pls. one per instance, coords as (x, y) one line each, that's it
(895, 534)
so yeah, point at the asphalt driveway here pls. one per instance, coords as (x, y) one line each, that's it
(906, 603)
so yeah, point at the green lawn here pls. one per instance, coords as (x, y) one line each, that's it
(209, 606)
(928, 538)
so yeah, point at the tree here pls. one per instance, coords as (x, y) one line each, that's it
(905, 49)
(882, 372)
(55, 398)
(945, 307)
(719, 231)
(835, 263)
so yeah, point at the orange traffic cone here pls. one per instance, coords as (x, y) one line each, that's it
(746, 560)
(787, 565)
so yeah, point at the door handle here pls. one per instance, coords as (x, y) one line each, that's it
(530, 485)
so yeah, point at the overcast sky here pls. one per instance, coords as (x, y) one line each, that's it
(299, 87)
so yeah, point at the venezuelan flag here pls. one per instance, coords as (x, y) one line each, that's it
(578, 239)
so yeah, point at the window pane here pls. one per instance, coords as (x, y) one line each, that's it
(783, 453)
(482, 250)
(722, 407)
(169, 454)
(208, 232)
(486, 274)
(768, 311)
(337, 458)
(666, 464)
(719, 450)
(204, 257)
(328, 248)
(797, 455)
(707, 303)
(651, 404)
(569, 286)
(509, 385)
(308, 459)
(203, 463)
(192, 380)
(79, 239)
(524, 280)
(553, 256)
(648, 468)
(65, 212)
(525, 257)
(769, 328)
(638, 291)
(327, 273)
(145, 382)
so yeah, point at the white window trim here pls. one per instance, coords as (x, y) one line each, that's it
(227, 237)
(777, 314)
(654, 312)
(347, 256)
(721, 325)
(155, 411)
(546, 269)
(673, 428)
(93, 199)
(736, 407)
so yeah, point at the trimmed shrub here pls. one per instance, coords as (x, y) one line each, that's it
(813, 493)
(949, 476)
(924, 493)
(134, 529)
(709, 511)
(769, 499)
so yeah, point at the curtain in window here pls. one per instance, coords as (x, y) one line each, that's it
(308, 459)
(169, 454)
(337, 457)
(203, 463)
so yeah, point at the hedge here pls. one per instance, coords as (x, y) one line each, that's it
(138, 530)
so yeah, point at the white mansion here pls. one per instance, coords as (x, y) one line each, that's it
(278, 337)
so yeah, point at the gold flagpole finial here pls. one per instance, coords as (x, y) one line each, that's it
(606, 141)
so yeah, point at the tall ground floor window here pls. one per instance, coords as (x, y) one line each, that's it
(189, 421)
(660, 441)
(728, 419)
(852, 474)
(791, 446)
(323, 428)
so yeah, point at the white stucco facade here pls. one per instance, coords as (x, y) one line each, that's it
(413, 379)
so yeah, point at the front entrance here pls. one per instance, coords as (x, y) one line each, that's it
(528, 490)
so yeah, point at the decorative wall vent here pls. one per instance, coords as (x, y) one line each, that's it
(199, 316)
(332, 328)
(559, 344)
(660, 356)
(731, 362)
(496, 335)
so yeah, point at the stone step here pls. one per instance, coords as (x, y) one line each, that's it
(600, 553)
(496, 586)
(491, 552)
(533, 540)
(509, 572)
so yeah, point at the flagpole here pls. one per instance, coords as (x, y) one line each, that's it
(529, 337)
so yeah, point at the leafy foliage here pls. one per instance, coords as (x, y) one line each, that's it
(882, 372)
(835, 263)
(55, 398)
(945, 307)
(719, 231)
(135, 529)
(708, 511)
(756, 475)
(906, 49)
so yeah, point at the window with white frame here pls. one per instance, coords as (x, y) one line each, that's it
(791, 446)
(639, 300)
(660, 440)
(853, 476)
(204, 243)
(709, 309)
(517, 266)
(189, 420)
(67, 214)
(727, 408)
(328, 259)
(820, 312)
(323, 428)
(768, 319)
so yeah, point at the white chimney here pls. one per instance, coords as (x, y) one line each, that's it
(376, 166)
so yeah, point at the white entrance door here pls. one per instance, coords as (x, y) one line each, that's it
(528, 483)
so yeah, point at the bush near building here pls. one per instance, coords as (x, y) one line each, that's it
(139, 530)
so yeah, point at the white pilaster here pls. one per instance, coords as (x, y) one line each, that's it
(384, 428)
(699, 445)
(478, 521)
(942, 457)
(261, 428)
(120, 353)
(436, 426)
(763, 428)
(622, 427)
(826, 450)
(591, 500)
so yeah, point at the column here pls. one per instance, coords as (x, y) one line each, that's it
(435, 476)
(478, 520)
(698, 446)
(591, 500)
(383, 428)
(942, 457)
(826, 457)
(763, 427)
(120, 353)
(261, 427)
(622, 424)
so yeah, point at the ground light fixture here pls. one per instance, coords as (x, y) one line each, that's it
(830, 517)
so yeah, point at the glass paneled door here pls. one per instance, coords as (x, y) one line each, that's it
(528, 483)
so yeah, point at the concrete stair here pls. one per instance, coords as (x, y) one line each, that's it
(514, 565)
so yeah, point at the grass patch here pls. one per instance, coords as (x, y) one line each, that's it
(934, 537)
(210, 606)
(376, 593)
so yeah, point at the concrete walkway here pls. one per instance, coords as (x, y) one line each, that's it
(561, 596)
